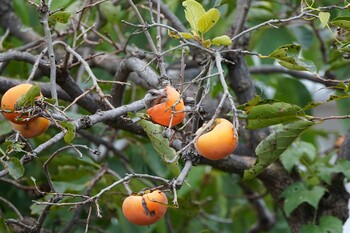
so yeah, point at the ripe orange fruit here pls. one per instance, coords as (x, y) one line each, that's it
(9, 100)
(219, 142)
(162, 113)
(146, 209)
(33, 128)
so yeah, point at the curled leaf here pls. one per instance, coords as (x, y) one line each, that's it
(221, 40)
(175, 35)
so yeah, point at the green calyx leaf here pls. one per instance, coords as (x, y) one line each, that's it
(270, 149)
(28, 98)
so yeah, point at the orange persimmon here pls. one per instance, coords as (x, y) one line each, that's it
(9, 100)
(219, 142)
(145, 209)
(169, 110)
(33, 128)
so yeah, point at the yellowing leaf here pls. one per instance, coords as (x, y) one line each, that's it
(208, 20)
(324, 17)
(193, 11)
(207, 43)
(175, 35)
(221, 40)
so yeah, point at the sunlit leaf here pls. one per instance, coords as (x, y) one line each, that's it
(324, 18)
(298, 193)
(264, 115)
(328, 224)
(193, 11)
(208, 20)
(15, 167)
(270, 149)
(221, 40)
(342, 22)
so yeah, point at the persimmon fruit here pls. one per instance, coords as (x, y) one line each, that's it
(9, 100)
(33, 128)
(145, 209)
(219, 142)
(169, 110)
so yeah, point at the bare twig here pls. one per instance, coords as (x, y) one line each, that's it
(45, 11)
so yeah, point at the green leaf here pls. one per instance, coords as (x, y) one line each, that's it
(159, 142)
(324, 18)
(287, 56)
(264, 115)
(113, 13)
(28, 98)
(60, 16)
(328, 224)
(298, 193)
(342, 22)
(295, 152)
(300, 64)
(221, 40)
(3, 227)
(15, 168)
(247, 107)
(70, 131)
(193, 11)
(208, 20)
(286, 51)
(337, 97)
(274, 145)
(50, 100)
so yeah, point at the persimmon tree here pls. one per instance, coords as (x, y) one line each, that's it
(265, 66)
